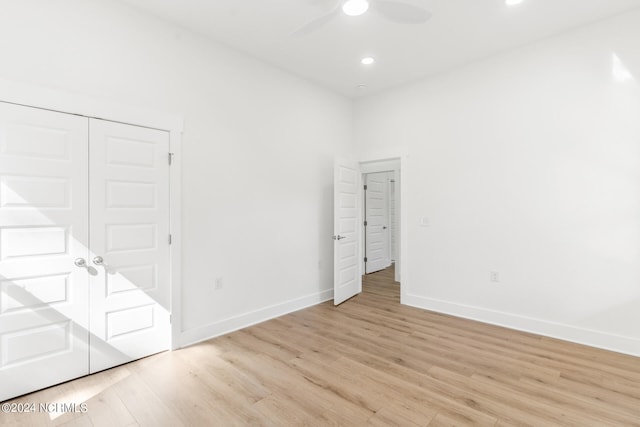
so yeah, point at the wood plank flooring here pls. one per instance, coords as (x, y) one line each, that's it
(369, 361)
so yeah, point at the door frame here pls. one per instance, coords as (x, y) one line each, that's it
(98, 108)
(379, 162)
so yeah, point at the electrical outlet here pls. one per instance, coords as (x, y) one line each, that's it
(218, 284)
(494, 276)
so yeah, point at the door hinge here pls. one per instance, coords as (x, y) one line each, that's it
(365, 259)
(365, 223)
(170, 319)
(365, 188)
(170, 239)
(171, 158)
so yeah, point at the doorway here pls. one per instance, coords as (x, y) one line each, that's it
(381, 241)
(349, 233)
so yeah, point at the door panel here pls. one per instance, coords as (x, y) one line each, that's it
(130, 231)
(43, 229)
(377, 232)
(347, 278)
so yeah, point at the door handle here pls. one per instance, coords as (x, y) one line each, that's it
(80, 262)
(98, 260)
(384, 227)
(339, 237)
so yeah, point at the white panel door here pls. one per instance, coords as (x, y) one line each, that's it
(43, 230)
(376, 230)
(129, 207)
(347, 279)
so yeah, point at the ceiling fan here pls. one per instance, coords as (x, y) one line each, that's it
(397, 11)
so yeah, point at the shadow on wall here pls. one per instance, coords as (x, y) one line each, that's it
(627, 311)
(325, 231)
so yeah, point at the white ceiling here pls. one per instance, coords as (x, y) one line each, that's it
(458, 32)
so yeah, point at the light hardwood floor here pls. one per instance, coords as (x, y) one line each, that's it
(369, 361)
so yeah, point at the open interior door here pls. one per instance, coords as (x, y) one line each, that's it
(376, 220)
(347, 280)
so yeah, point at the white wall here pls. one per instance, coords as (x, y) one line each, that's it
(258, 148)
(528, 164)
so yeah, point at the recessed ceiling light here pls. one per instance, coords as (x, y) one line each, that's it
(513, 2)
(361, 87)
(355, 7)
(368, 60)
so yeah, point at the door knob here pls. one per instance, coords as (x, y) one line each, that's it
(80, 262)
(98, 260)
(339, 237)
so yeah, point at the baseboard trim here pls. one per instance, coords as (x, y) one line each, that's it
(598, 339)
(225, 326)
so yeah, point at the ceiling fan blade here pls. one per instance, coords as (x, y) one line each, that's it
(401, 12)
(315, 24)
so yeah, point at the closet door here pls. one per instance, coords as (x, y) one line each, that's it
(129, 238)
(43, 233)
